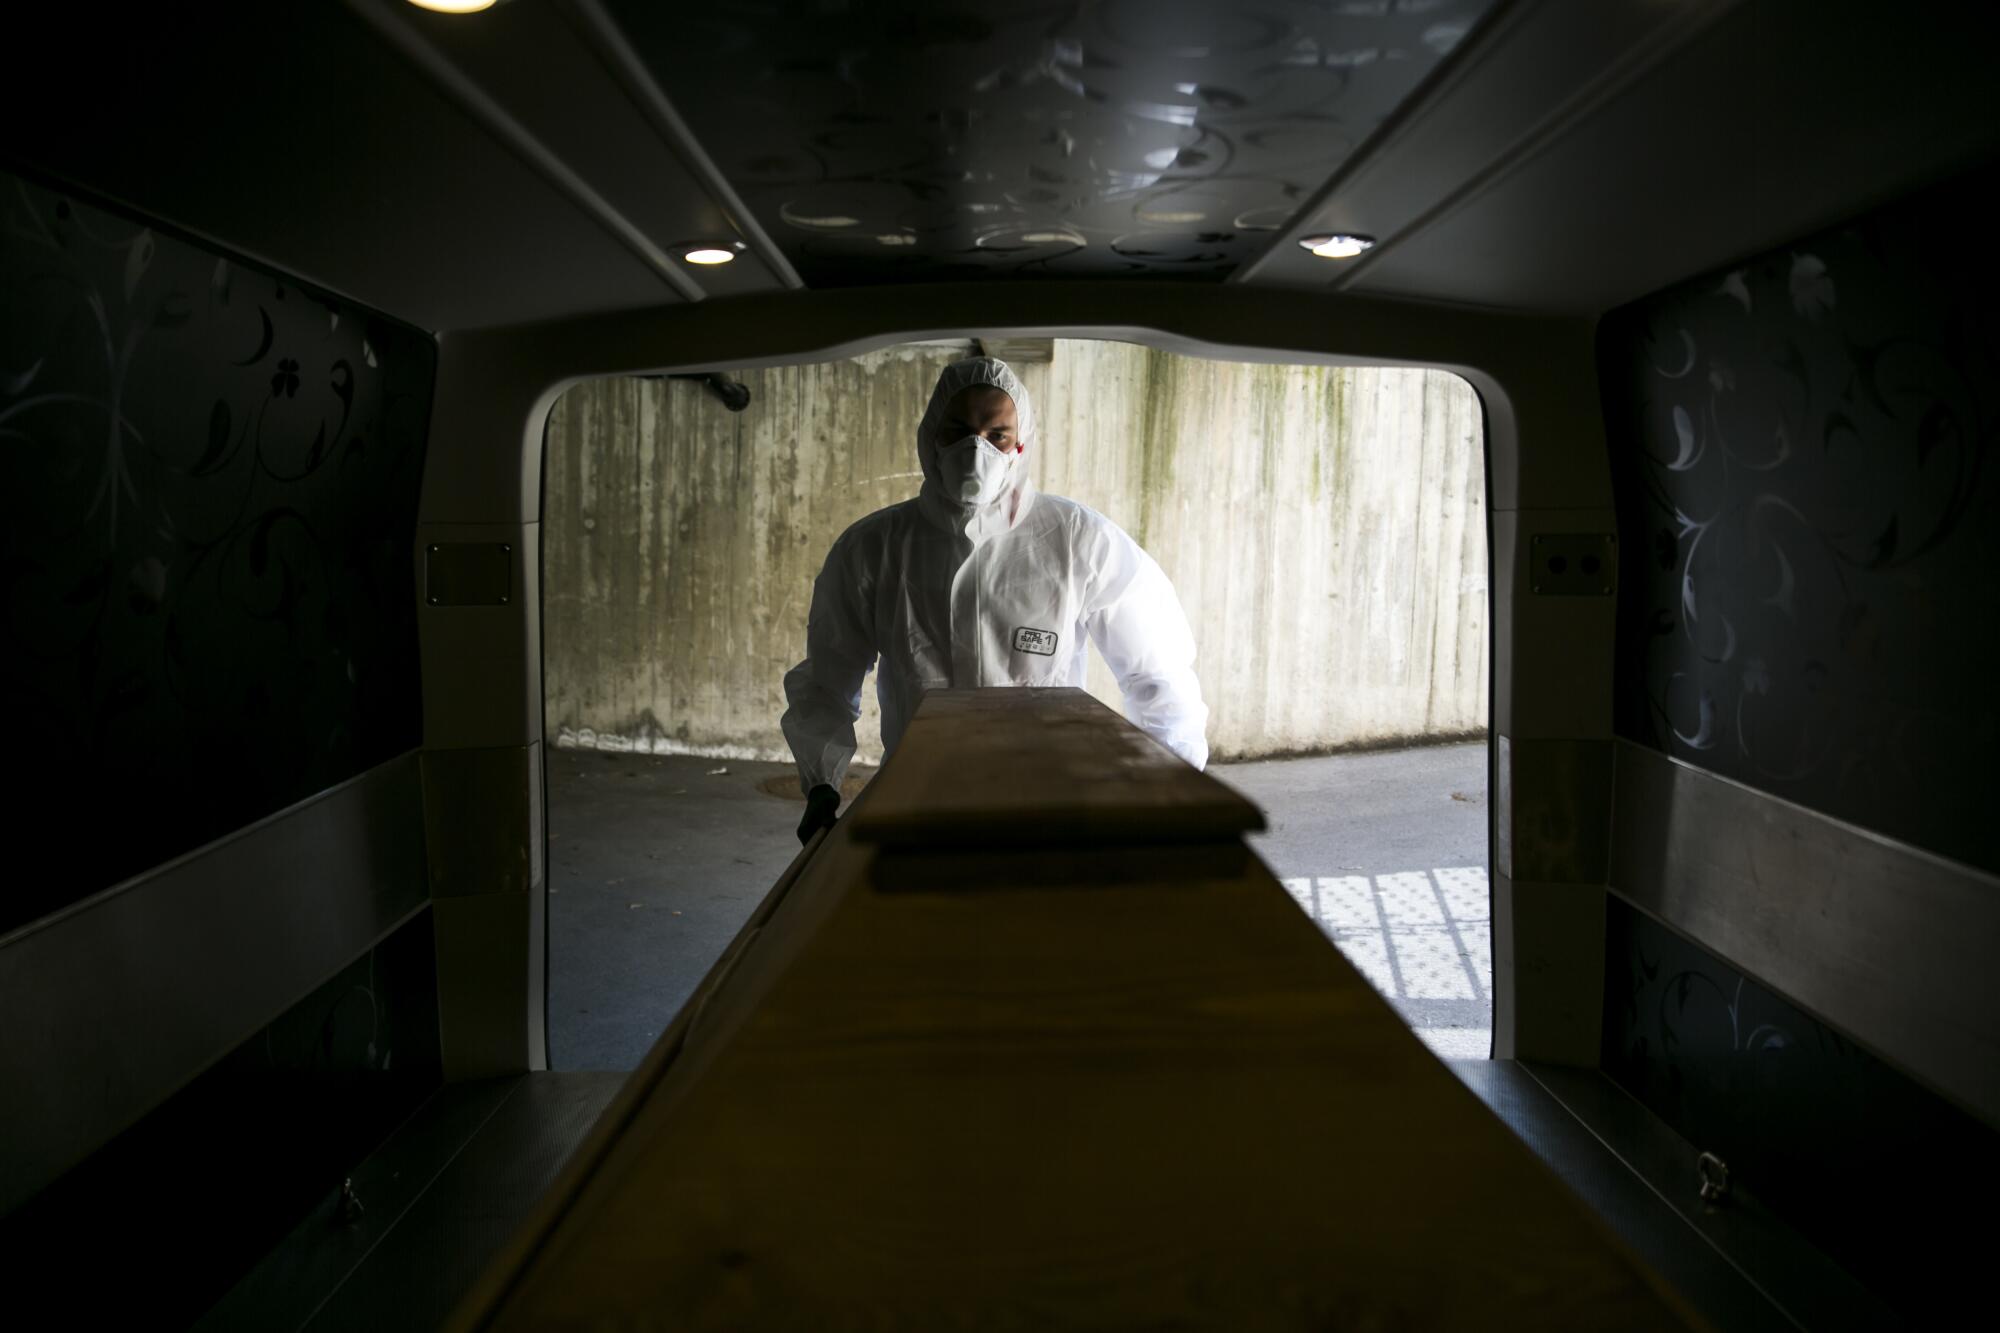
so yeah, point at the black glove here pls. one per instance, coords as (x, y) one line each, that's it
(821, 802)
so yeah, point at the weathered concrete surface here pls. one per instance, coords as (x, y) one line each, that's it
(1325, 528)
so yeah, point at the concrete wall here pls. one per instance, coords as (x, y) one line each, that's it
(1326, 529)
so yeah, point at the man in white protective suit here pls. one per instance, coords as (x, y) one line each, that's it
(981, 580)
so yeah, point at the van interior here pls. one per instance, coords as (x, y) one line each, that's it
(303, 308)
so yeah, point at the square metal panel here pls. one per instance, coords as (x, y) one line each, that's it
(468, 573)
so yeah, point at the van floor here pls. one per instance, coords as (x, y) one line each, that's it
(656, 861)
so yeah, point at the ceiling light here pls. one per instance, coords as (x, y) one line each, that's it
(455, 6)
(708, 254)
(1336, 247)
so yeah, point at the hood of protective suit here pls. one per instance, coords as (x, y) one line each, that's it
(979, 522)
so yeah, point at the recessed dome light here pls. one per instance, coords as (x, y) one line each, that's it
(708, 254)
(455, 6)
(1336, 247)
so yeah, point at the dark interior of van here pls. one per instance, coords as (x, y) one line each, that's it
(1030, 1036)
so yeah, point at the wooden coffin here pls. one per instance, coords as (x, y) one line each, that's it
(1031, 1040)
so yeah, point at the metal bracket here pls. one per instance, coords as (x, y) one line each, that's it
(1713, 1173)
(733, 394)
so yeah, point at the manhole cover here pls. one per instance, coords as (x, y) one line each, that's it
(785, 786)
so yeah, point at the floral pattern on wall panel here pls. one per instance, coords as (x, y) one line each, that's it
(1804, 453)
(211, 478)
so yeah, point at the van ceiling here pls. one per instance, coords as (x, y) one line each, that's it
(913, 139)
(552, 158)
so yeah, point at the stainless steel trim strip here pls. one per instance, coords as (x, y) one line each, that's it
(1677, 1249)
(1493, 29)
(1621, 71)
(601, 31)
(495, 120)
(1636, 42)
(118, 1002)
(295, 1280)
(1889, 944)
(1782, 1266)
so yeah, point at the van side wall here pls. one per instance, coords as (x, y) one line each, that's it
(1806, 909)
(219, 939)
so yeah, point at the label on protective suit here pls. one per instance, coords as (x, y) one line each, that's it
(1041, 642)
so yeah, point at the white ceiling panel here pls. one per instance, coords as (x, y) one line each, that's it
(540, 79)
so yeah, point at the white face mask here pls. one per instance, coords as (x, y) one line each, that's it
(973, 471)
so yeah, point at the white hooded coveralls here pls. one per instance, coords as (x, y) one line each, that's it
(947, 594)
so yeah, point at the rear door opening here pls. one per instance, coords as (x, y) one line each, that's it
(1324, 528)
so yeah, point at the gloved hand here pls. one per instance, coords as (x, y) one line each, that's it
(821, 802)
